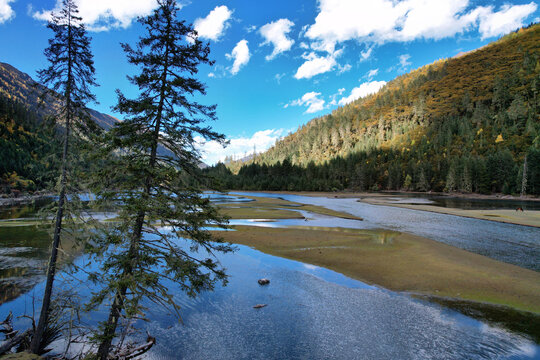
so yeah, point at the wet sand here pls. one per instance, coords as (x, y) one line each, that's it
(401, 262)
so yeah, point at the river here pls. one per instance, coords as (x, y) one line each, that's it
(311, 312)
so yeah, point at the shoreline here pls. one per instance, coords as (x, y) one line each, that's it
(393, 260)
(401, 262)
(529, 218)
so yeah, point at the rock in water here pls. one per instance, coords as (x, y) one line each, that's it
(263, 281)
(258, 306)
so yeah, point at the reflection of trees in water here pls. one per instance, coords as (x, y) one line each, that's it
(13, 287)
(23, 258)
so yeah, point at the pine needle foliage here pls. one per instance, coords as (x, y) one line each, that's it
(69, 77)
(160, 235)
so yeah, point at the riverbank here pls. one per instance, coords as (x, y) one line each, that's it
(510, 216)
(400, 262)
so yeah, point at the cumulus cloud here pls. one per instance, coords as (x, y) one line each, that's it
(240, 55)
(213, 26)
(311, 100)
(275, 33)
(362, 90)
(375, 22)
(404, 62)
(315, 65)
(344, 68)
(365, 54)
(212, 152)
(102, 15)
(6, 12)
(380, 21)
(333, 98)
(509, 18)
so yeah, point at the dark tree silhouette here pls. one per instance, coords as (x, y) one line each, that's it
(70, 76)
(153, 161)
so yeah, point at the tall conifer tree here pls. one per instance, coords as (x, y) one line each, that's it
(69, 77)
(162, 218)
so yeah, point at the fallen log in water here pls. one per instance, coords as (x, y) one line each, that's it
(132, 352)
(14, 341)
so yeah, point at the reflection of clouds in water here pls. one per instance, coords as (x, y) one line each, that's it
(523, 346)
(311, 267)
(310, 318)
(8, 262)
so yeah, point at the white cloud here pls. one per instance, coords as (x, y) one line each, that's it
(102, 15)
(365, 54)
(278, 77)
(240, 55)
(333, 98)
(250, 29)
(311, 100)
(212, 152)
(275, 33)
(315, 65)
(213, 26)
(344, 68)
(404, 61)
(362, 90)
(372, 73)
(6, 12)
(509, 18)
(379, 21)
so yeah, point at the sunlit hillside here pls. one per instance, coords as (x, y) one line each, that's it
(464, 123)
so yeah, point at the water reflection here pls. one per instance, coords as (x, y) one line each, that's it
(312, 313)
(463, 203)
(24, 252)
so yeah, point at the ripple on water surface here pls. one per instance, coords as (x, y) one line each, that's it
(308, 317)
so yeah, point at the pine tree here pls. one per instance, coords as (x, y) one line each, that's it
(162, 219)
(69, 76)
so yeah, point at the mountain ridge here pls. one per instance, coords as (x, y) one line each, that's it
(21, 87)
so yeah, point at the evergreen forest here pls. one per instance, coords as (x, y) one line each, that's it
(467, 124)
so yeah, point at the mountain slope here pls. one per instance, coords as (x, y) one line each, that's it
(464, 123)
(28, 138)
(20, 87)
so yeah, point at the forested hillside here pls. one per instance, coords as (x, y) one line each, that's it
(28, 142)
(469, 123)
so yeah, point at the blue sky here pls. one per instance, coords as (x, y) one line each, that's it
(279, 63)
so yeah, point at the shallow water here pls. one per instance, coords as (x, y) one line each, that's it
(464, 203)
(514, 244)
(311, 313)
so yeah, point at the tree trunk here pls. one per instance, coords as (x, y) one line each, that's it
(116, 308)
(51, 269)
